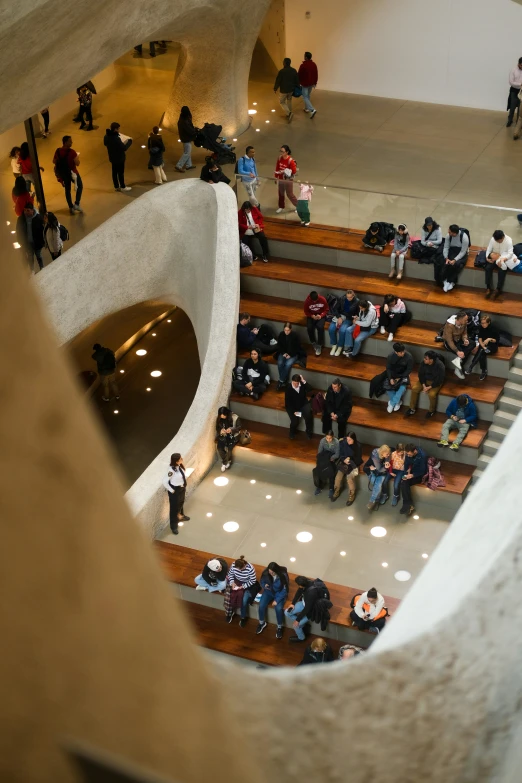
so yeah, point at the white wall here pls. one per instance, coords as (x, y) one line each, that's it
(457, 52)
(272, 33)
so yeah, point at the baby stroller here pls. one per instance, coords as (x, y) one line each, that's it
(209, 137)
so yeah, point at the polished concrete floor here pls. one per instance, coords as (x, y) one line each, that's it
(271, 511)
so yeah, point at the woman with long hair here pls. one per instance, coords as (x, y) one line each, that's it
(187, 134)
(275, 585)
(287, 352)
(255, 378)
(21, 196)
(378, 469)
(26, 165)
(175, 483)
(14, 156)
(156, 147)
(350, 459)
(53, 240)
(228, 427)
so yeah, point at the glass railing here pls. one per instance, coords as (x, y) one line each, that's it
(356, 209)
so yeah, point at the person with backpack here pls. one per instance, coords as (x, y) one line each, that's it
(426, 249)
(488, 339)
(275, 585)
(53, 234)
(252, 226)
(286, 82)
(401, 243)
(106, 365)
(66, 162)
(116, 149)
(369, 612)
(344, 310)
(462, 415)
(228, 427)
(309, 592)
(246, 168)
(454, 256)
(431, 376)
(285, 172)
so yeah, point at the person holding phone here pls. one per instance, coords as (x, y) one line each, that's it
(378, 470)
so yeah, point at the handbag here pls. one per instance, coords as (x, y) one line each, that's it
(245, 438)
(297, 92)
(505, 339)
(346, 468)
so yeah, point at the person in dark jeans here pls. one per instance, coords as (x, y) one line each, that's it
(66, 162)
(85, 98)
(106, 364)
(337, 407)
(262, 338)
(116, 149)
(298, 406)
(175, 482)
(45, 118)
(251, 226)
(487, 344)
(316, 310)
(30, 234)
(415, 468)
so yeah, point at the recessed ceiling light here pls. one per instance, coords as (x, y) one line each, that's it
(378, 531)
(230, 527)
(116, 411)
(298, 491)
(156, 373)
(402, 576)
(267, 120)
(179, 141)
(416, 516)
(13, 232)
(221, 481)
(154, 334)
(273, 110)
(292, 559)
(180, 524)
(304, 537)
(351, 519)
(343, 553)
(268, 497)
(16, 245)
(263, 544)
(169, 321)
(143, 146)
(160, 128)
(257, 130)
(141, 352)
(234, 139)
(254, 103)
(8, 222)
(148, 388)
(425, 556)
(252, 111)
(209, 514)
(384, 565)
(252, 481)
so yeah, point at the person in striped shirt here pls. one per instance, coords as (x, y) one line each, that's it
(242, 576)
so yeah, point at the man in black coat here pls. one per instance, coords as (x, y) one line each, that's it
(116, 149)
(338, 406)
(298, 406)
(30, 234)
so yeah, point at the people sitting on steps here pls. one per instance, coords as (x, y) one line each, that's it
(415, 468)
(252, 226)
(316, 310)
(488, 340)
(376, 238)
(348, 651)
(399, 365)
(214, 576)
(369, 612)
(397, 460)
(311, 602)
(242, 588)
(462, 414)
(364, 325)
(499, 258)
(275, 586)
(228, 427)
(212, 173)
(289, 352)
(431, 374)
(455, 251)
(317, 652)
(298, 406)
(455, 336)
(428, 247)
(255, 377)
(348, 464)
(346, 310)
(377, 468)
(337, 407)
(260, 337)
(401, 243)
(392, 315)
(325, 463)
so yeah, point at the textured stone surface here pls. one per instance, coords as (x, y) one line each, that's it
(178, 244)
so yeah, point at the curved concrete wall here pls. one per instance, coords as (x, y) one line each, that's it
(178, 243)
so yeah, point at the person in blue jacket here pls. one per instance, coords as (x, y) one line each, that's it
(462, 414)
(247, 170)
(415, 468)
(274, 581)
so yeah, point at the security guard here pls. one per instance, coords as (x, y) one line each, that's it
(175, 483)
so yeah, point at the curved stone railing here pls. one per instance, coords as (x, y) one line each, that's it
(178, 243)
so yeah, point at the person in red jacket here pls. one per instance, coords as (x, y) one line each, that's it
(251, 225)
(316, 309)
(285, 171)
(21, 196)
(308, 76)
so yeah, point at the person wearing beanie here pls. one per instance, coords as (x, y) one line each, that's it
(401, 243)
(214, 576)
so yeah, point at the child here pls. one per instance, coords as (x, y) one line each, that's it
(397, 471)
(303, 203)
(375, 238)
(401, 243)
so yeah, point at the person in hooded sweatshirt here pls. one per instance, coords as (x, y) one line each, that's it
(309, 591)
(116, 149)
(317, 652)
(401, 243)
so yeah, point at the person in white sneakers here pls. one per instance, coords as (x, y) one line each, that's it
(399, 365)
(401, 243)
(499, 257)
(393, 315)
(214, 576)
(455, 337)
(228, 427)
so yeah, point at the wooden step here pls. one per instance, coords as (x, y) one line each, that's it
(373, 414)
(420, 333)
(377, 285)
(273, 440)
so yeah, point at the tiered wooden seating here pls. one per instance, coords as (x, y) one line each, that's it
(421, 333)
(269, 439)
(373, 414)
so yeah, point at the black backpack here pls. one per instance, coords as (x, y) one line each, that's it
(465, 231)
(480, 259)
(323, 591)
(334, 306)
(64, 234)
(61, 167)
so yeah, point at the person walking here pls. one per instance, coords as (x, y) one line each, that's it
(430, 379)
(214, 576)
(242, 589)
(85, 98)
(45, 117)
(462, 415)
(117, 146)
(316, 310)
(275, 585)
(298, 406)
(175, 482)
(26, 165)
(286, 82)
(21, 196)
(350, 460)
(401, 243)
(106, 363)
(515, 85)
(187, 134)
(152, 49)
(308, 76)
(52, 236)
(287, 352)
(285, 172)
(66, 162)
(228, 427)
(156, 148)
(303, 202)
(30, 234)
(247, 170)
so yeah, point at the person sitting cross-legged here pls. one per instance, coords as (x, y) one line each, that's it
(369, 612)
(462, 414)
(393, 314)
(430, 379)
(399, 365)
(415, 468)
(275, 585)
(214, 576)
(367, 322)
(260, 337)
(337, 407)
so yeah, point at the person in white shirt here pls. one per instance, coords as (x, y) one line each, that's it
(515, 84)
(369, 612)
(500, 257)
(175, 483)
